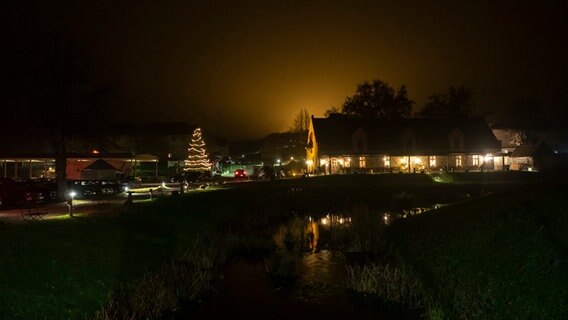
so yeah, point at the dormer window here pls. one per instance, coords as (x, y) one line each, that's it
(456, 144)
(408, 140)
(360, 144)
(456, 140)
(359, 140)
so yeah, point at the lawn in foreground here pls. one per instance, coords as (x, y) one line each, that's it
(65, 268)
(500, 257)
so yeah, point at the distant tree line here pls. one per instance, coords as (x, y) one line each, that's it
(378, 99)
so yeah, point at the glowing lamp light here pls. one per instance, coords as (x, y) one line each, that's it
(163, 184)
(72, 194)
(126, 189)
(487, 158)
(309, 162)
(323, 162)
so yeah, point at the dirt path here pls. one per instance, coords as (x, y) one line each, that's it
(58, 210)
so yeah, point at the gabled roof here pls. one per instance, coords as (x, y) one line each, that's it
(334, 134)
(100, 165)
(532, 150)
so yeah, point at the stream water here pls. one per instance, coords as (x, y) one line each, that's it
(247, 291)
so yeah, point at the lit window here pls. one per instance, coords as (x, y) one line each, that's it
(334, 162)
(458, 161)
(387, 162)
(362, 162)
(432, 161)
(476, 160)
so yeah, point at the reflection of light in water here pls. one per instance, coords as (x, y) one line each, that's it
(312, 231)
(279, 236)
(389, 216)
(323, 273)
(322, 266)
(334, 220)
(386, 218)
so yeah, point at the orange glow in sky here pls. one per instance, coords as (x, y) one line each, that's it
(243, 69)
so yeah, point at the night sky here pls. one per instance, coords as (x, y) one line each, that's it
(243, 69)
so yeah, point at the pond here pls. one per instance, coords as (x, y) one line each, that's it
(321, 246)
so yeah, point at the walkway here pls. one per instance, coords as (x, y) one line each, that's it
(58, 210)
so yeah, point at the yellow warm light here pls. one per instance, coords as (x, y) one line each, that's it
(94, 151)
(323, 162)
(416, 160)
(309, 162)
(488, 157)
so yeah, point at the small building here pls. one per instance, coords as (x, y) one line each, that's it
(346, 144)
(43, 165)
(532, 157)
(99, 170)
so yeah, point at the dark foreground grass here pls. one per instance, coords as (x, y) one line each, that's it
(67, 268)
(501, 257)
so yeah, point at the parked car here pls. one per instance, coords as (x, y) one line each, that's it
(240, 174)
(126, 183)
(191, 177)
(13, 193)
(85, 189)
(269, 173)
(47, 187)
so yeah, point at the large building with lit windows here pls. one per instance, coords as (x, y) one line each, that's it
(342, 144)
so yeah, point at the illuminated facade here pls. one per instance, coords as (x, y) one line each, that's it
(341, 144)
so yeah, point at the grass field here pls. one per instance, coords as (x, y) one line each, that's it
(66, 268)
(500, 257)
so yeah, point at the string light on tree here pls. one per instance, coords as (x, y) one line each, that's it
(197, 159)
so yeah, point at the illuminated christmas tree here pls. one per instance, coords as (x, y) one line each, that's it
(197, 160)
